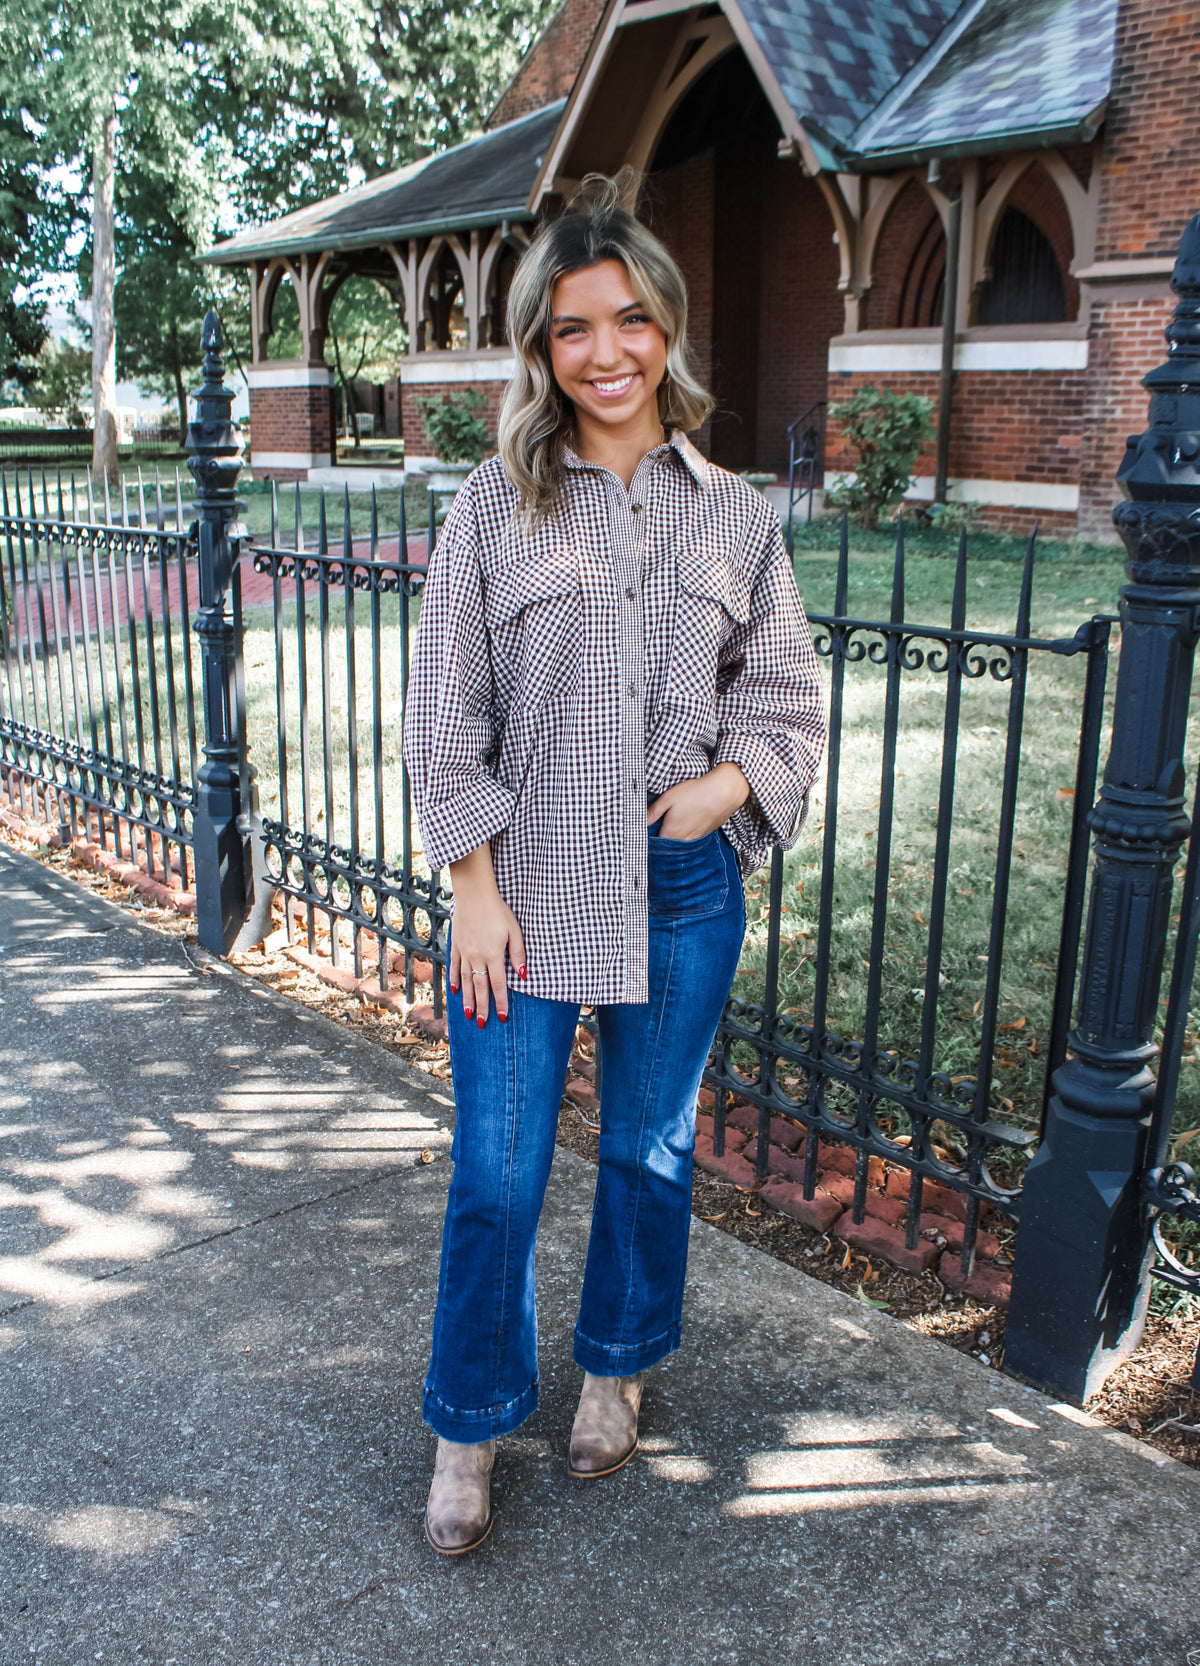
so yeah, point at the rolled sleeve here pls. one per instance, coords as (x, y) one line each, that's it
(771, 713)
(450, 727)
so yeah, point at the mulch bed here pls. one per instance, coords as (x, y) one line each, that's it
(1147, 1397)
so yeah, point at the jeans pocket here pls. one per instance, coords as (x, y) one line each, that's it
(686, 878)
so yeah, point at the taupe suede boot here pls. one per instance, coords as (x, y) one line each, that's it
(458, 1515)
(604, 1435)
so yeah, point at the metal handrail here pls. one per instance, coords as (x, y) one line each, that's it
(806, 452)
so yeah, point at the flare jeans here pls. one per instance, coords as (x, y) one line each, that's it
(508, 1085)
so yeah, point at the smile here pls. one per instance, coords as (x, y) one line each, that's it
(616, 386)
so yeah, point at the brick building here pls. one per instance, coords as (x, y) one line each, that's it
(804, 161)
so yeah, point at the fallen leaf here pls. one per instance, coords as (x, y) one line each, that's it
(713, 1219)
(1016, 1024)
(918, 918)
(871, 1301)
(427, 1155)
(969, 891)
(846, 1259)
(975, 1009)
(1064, 795)
(755, 1213)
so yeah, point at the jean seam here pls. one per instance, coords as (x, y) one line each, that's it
(511, 1050)
(648, 1080)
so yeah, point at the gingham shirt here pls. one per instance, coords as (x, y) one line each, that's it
(563, 677)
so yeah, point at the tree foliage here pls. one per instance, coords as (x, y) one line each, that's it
(64, 375)
(226, 112)
(887, 431)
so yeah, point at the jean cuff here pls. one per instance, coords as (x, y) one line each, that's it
(470, 1427)
(623, 1359)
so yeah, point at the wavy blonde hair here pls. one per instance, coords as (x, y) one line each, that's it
(536, 418)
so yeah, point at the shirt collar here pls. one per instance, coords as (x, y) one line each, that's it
(679, 444)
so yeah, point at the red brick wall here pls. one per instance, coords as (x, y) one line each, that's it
(549, 68)
(1007, 425)
(1150, 167)
(799, 307)
(1125, 341)
(289, 419)
(681, 213)
(416, 442)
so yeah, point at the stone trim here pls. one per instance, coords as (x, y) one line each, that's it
(419, 369)
(280, 375)
(995, 494)
(861, 354)
(290, 459)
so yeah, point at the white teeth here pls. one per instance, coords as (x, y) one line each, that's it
(612, 387)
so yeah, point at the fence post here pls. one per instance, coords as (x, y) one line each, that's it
(223, 846)
(1081, 1275)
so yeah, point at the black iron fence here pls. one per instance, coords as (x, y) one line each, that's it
(98, 726)
(97, 720)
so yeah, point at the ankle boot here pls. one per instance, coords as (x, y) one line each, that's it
(605, 1434)
(458, 1515)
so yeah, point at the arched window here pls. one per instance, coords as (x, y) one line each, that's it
(1026, 285)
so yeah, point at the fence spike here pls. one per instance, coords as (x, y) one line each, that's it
(300, 520)
(91, 496)
(108, 520)
(374, 525)
(274, 514)
(45, 496)
(431, 534)
(4, 491)
(178, 504)
(347, 541)
(842, 587)
(322, 525)
(898, 574)
(17, 491)
(124, 501)
(958, 607)
(1025, 605)
(402, 552)
(141, 500)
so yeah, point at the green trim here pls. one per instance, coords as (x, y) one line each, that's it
(238, 251)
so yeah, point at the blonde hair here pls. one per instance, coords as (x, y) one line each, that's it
(536, 418)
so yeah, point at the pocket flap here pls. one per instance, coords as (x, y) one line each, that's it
(705, 573)
(537, 578)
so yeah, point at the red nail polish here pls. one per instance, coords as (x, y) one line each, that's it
(468, 1012)
(520, 971)
(503, 1017)
(454, 989)
(481, 1022)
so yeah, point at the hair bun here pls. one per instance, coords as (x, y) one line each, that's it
(604, 193)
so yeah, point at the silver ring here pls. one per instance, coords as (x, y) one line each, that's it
(477, 974)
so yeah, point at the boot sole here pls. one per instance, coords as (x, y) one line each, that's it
(599, 1474)
(458, 1550)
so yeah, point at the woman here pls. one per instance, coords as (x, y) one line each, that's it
(613, 712)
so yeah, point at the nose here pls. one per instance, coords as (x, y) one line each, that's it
(607, 349)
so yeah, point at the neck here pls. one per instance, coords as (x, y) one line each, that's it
(618, 449)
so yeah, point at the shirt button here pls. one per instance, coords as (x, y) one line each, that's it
(632, 690)
(636, 508)
(630, 591)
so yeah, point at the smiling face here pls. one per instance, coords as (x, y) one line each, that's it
(608, 357)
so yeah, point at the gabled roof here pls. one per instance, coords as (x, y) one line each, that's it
(835, 60)
(477, 183)
(1003, 68)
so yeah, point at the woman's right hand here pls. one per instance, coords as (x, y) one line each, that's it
(484, 931)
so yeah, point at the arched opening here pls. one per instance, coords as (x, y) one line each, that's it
(282, 323)
(754, 238)
(908, 279)
(495, 323)
(366, 341)
(443, 312)
(1026, 285)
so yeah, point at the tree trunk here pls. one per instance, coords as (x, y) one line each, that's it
(351, 415)
(181, 400)
(104, 280)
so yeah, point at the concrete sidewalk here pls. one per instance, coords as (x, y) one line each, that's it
(218, 1261)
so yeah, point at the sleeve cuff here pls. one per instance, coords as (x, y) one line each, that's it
(775, 811)
(457, 826)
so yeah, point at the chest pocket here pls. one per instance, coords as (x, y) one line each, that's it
(713, 600)
(534, 613)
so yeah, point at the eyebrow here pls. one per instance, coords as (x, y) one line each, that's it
(570, 318)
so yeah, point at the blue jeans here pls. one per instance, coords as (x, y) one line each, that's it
(508, 1083)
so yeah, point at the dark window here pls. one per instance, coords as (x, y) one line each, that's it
(1026, 285)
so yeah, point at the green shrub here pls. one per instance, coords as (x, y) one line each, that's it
(453, 425)
(887, 430)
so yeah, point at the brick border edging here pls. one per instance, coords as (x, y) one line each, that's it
(94, 856)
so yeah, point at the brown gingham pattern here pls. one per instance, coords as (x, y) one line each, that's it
(563, 677)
